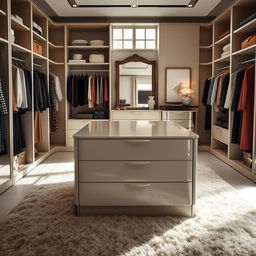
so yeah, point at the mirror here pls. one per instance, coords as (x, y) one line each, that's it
(135, 82)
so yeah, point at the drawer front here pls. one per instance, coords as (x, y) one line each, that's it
(136, 115)
(180, 115)
(132, 194)
(179, 149)
(76, 124)
(220, 134)
(135, 171)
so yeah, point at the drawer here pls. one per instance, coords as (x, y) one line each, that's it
(173, 115)
(134, 194)
(153, 115)
(220, 134)
(76, 124)
(135, 171)
(175, 149)
(70, 133)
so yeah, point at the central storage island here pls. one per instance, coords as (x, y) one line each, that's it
(135, 168)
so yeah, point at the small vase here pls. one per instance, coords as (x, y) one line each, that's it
(186, 101)
(151, 102)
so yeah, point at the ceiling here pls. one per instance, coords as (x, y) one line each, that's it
(62, 8)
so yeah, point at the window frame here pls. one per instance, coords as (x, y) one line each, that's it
(134, 40)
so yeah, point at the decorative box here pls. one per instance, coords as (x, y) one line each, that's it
(96, 58)
(37, 47)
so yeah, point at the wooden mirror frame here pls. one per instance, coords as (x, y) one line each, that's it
(136, 58)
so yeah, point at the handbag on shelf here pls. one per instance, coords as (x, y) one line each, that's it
(249, 41)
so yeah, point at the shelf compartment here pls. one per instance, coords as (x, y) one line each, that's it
(38, 37)
(19, 48)
(88, 64)
(223, 41)
(53, 46)
(38, 56)
(246, 51)
(105, 47)
(220, 134)
(222, 59)
(247, 28)
(51, 62)
(19, 26)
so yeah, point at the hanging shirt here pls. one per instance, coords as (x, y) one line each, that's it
(212, 95)
(101, 90)
(58, 91)
(230, 91)
(3, 106)
(106, 95)
(17, 85)
(93, 91)
(90, 105)
(246, 104)
(24, 103)
(98, 91)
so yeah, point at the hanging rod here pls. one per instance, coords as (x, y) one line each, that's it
(91, 70)
(226, 67)
(17, 59)
(247, 61)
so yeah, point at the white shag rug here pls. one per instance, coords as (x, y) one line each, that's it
(44, 224)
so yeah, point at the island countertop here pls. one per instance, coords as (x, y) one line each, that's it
(134, 129)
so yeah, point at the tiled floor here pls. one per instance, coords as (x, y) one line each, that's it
(62, 162)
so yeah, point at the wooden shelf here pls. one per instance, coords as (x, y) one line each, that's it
(19, 26)
(223, 41)
(207, 47)
(88, 64)
(2, 40)
(205, 63)
(245, 51)
(53, 46)
(2, 13)
(38, 37)
(18, 48)
(56, 63)
(247, 28)
(38, 56)
(240, 163)
(87, 47)
(222, 59)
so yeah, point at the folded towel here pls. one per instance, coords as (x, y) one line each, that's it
(225, 54)
(226, 47)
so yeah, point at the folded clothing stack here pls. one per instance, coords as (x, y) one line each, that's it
(77, 59)
(17, 18)
(37, 29)
(79, 42)
(226, 51)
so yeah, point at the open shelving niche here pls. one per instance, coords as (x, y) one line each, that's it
(87, 32)
(221, 146)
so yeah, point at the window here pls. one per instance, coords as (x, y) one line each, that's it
(135, 38)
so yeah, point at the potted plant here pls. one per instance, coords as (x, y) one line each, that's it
(186, 93)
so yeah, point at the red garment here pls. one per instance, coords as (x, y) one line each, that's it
(106, 96)
(246, 104)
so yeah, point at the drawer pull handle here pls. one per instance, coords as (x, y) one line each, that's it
(138, 141)
(139, 163)
(138, 185)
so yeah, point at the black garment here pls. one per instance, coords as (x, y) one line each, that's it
(238, 115)
(76, 91)
(224, 90)
(83, 90)
(208, 111)
(18, 136)
(69, 88)
(41, 92)
(28, 83)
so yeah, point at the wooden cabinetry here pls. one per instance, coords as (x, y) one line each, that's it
(232, 20)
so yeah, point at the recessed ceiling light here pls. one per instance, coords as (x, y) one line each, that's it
(74, 5)
(190, 5)
(134, 5)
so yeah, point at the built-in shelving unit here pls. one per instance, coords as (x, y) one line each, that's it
(236, 33)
